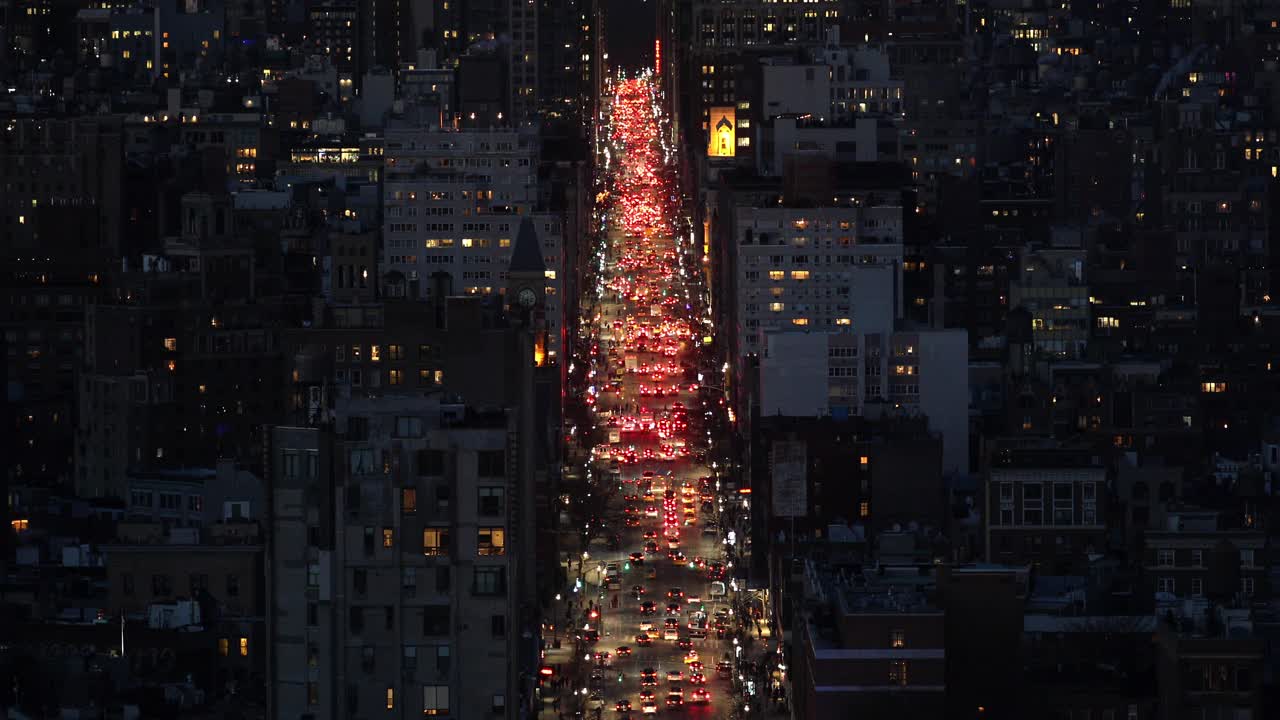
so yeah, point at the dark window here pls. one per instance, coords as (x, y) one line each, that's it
(368, 541)
(357, 428)
(160, 586)
(357, 619)
(498, 625)
(444, 579)
(126, 581)
(491, 463)
(489, 581)
(435, 620)
(360, 580)
(389, 617)
(313, 614)
(491, 500)
(233, 586)
(431, 462)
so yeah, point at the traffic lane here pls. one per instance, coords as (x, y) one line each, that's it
(623, 623)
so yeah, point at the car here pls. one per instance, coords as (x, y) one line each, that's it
(637, 591)
(684, 642)
(675, 593)
(591, 636)
(650, 534)
(623, 651)
(636, 558)
(646, 625)
(675, 676)
(649, 707)
(698, 679)
(691, 657)
(673, 608)
(648, 676)
(651, 547)
(604, 658)
(622, 705)
(693, 600)
(724, 668)
(643, 639)
(595, 702)
(701, 696)
(648, 607)
(671, 623)
(696, 666)
(631, 521)
(646, 695)
(675, 699)
(678, 558)
(669, 634)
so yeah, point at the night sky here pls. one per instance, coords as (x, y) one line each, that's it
(631, 27)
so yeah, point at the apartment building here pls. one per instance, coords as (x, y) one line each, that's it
(1045, 506)
(868, 374)
(415, 556)
(878, 652)
(454, 202)
(808, 268)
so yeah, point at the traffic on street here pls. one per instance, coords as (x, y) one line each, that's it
(652, 623)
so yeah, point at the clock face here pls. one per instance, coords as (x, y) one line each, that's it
(527, 297)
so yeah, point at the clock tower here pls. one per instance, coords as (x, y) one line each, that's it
(527, 274)
(527, 287)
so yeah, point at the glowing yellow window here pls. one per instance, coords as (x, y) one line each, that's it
(375, 353)
(244, 647)
(843, 321)
(391, 698)
(799, 274)
(224, 647)
(776, 307)
(799, 321)
(776, 274)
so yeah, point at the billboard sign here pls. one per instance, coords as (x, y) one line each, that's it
(790, 491)
(722, 132)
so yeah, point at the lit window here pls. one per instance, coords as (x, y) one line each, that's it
(408, 500)
(799, 274)
(244, 647)
(864, 509)
(435, 541)
(375, 353)
(224, 647)
(1213, 387)
(388, 537)
(843, 321)
(20, 526)
(395, 377)
(898, 672)
(171, 344)
(776, 274)
(490, 541)
(799, 321)
(391, 698)
(897, 639)
(776, 306)
(1108, 322)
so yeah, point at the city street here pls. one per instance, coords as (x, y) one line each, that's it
(652, 625)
